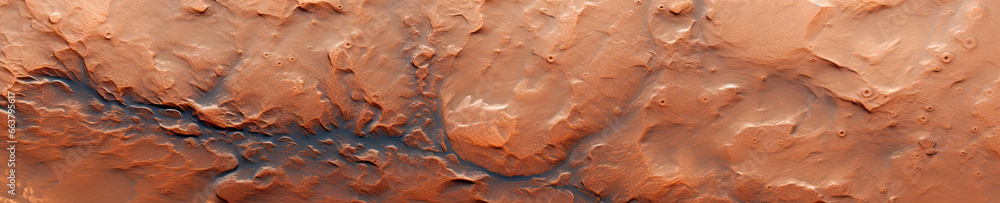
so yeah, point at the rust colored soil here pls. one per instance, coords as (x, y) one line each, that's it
(501, 100)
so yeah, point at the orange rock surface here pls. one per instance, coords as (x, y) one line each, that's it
(502, 100)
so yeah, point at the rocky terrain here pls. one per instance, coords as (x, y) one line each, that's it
(503, 100)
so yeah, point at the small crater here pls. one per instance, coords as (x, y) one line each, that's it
(976, 13)
(550, 59)
(291, 58)
(963, 153)
(969, 43)
(107, 35)
(929, 108)
(867, 93)
(946, 57)
(841, 133)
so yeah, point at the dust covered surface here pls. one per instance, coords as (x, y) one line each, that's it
(503, 100)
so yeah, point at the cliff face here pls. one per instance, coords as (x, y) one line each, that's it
(500, 101)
